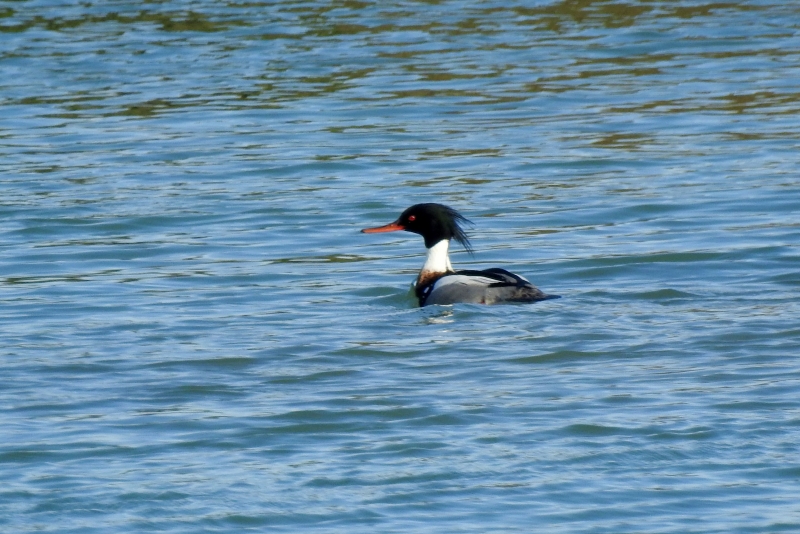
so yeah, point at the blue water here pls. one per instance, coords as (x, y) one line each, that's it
(197, 338)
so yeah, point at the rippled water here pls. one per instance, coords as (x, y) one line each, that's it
(196, 338)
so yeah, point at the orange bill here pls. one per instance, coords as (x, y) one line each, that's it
(391, 227)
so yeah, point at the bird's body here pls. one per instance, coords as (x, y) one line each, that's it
(438, 282)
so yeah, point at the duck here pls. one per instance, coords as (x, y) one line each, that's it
(437, 282)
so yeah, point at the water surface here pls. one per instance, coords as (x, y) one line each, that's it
(196, 338)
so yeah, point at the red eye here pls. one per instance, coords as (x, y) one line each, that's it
(411, 218)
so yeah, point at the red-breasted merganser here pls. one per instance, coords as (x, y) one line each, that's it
(437, 282)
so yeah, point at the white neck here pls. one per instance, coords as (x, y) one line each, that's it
(437, 260)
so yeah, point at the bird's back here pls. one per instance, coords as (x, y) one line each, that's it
(490, 286)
